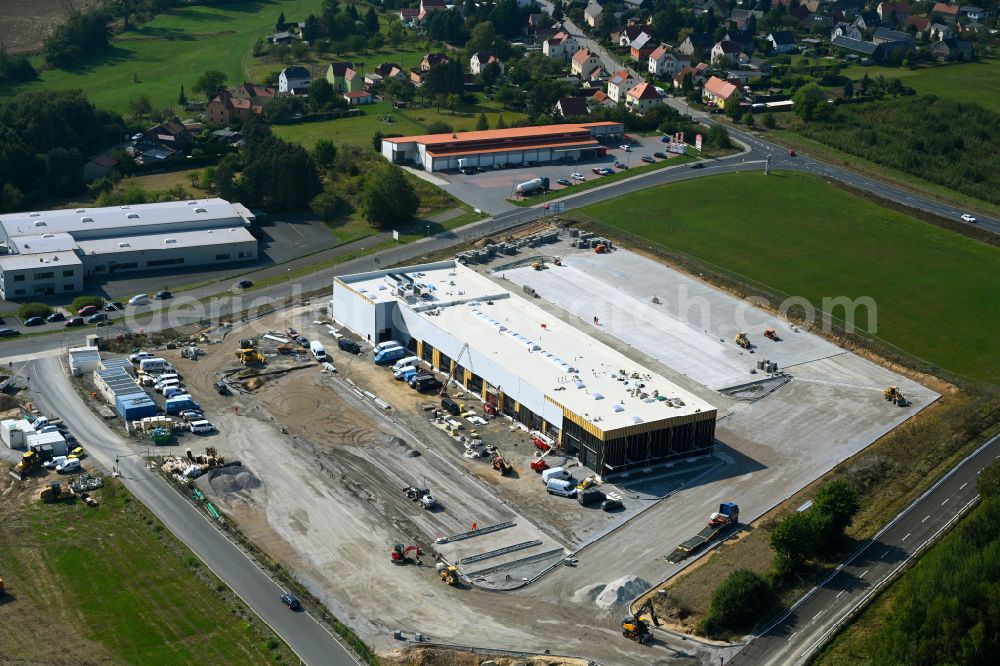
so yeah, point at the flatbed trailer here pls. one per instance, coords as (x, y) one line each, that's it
(729, 511)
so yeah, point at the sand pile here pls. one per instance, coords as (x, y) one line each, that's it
(621, 591)
(233, 480)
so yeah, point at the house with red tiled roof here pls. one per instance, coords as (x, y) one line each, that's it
(642, 97)
(946, 11)
(560, 46)
(427, 6)
(641, 47)
(600, 97)
(432, 60)
(698, 75)
(226, 109)
(619, 84)
(358, 97)
(583, 62)
(893, 12)
(665, 62)
(919, 23)
(718, 93)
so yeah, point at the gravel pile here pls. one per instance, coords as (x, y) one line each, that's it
(232, 480)
(621, 591)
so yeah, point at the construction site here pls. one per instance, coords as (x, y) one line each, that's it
(431, 491)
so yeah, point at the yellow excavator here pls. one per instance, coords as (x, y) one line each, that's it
(635, 628)
(742, 340)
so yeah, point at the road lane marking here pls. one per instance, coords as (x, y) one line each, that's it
(816, 616)
(793, 635)
(884, 554)
(866, 571)
(963, 485)
(838, 594)
(906, 537)
(924, 520)
(945, 502)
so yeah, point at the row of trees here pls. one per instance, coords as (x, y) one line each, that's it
(82, 34)
(919, 136)
(45, 138)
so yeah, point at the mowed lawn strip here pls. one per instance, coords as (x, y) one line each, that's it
(936, 290)
(132, 587)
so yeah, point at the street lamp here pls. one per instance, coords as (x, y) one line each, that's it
(428, 232)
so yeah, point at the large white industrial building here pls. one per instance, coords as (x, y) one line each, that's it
(599, 405)
(50, 252)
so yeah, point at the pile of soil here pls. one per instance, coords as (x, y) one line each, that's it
(232, 480)
(621, 591)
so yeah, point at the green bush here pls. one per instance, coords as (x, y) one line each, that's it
(742, 599)
(81, 302)
(29, 310)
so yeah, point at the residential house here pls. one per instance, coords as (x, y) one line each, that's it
(294, 81)
(284, 38)
(858, 46)
(953, 49)
(696, 43)
(698, 75)
(718, 7)
(718, 93)
(432, 60)
(629, 33)
(592, 14)
(99, 166)
(390, 70)
(740, 17)
(662, 62)
(409, 15)
(893, 41)
(358, 97)
(427, 6)
(258, 95)
(600, 98)
(973, 13)
(818, 23)
(940, 31)
(725, 52)
(947, 12)
(584, 62)
(168, 140)
(372, 79)
(641, 47)
(782, 41)
(847, 30)
(227, 109)
(867, 20)
(571, 106)
(636, 4)
(894, 13)
(920, 25)
(641, 97)
(337, 73)
(619, 84)
(560, 47)
(479, 60)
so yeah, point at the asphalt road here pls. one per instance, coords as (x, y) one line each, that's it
(308, 639)
(811, 621)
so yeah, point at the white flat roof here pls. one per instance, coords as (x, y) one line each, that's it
(20, 262)
(569, 366)
(166, 241)
(43, 243)
(117, 218)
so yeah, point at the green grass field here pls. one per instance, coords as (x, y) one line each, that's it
(975, 82)
(111, 580)
(935, 290)
(173, 49)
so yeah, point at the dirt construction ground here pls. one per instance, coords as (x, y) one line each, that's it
(24, 24)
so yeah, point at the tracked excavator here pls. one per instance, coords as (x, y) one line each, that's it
(401, 554)
(635, 628)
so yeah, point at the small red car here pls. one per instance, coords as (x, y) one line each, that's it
(87, 311)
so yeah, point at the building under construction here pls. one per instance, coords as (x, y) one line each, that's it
(599, 405)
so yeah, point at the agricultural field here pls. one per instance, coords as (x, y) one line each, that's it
(24, 24)
(797, 235)
(63, 565)
(172, 50)
(975, 82)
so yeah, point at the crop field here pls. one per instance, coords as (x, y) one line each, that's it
(64, 565)
(975, 82)
(24, 24)
(797, 235)
(172, 50)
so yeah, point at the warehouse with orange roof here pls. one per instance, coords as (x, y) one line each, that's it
(548, 143)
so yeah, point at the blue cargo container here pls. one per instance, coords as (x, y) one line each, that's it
(135, 406)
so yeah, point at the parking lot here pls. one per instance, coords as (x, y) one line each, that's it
(491, 189)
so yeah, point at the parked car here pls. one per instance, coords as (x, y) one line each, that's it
(302, 340)
(139, 299)
(242, 284)
(621, 165)
(648, 159)
(56, 316)
(87, 310)
(192, 415)
(97, 317)
(75, 321)
(566, 182)
(660, 156)
(968, 218)
(577, 176)
(612, 505)
(698, 165)
(291, 601)
(114, 306)
(34, 321)
(468, 171)
(221, 387)
(199, 427)
(791, 153)
(626, 148)
(606, 171)
(8, 333)
(162, 295)
(349, 346)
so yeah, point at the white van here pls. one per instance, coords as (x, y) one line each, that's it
(154, 365)
(317, 349)
(165, 377)
(560, 487)
(139, 299)
(69, 465)
(386, 345)
(201, 426)
(555, 473)
(169, 384)
(403, 362)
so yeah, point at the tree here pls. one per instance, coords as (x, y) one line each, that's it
(718, 136)
(490, 73)
(29, 310)
(328, 205)
(607, 25)
(396, 33)
(312, 29)
(738, 602)
(839, 502)
(453, 101)
(81, 302)
(796, 537)
(988, 484)
(389, 199)
(400, 90)
(140, 107)
(182, 98)
(371, 26)
(445, 78)
(320, 93)
(439, 127)
(324, 153)
(483, 122)
(210, 83)
(377, 141)
(482, 38)
(557, 11)
(500, 123)
(768, 121)
(279, 25)
(687, 83)
(11, 198)
(808, 100)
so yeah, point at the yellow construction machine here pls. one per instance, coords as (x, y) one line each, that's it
(248, 353)
(447, 572)
(30, 461)
(742, 340)
(635, 628)
(893, 395)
